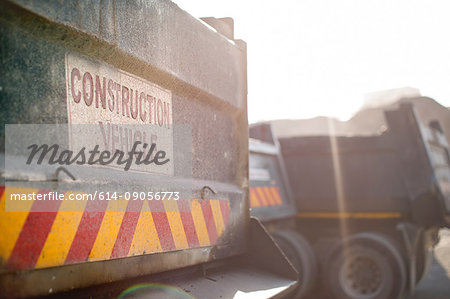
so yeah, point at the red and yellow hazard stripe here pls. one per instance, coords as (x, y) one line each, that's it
(264, 196)
(104, 229)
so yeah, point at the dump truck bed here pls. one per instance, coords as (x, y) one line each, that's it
(393, 173)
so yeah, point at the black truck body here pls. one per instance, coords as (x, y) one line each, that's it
(368, 207)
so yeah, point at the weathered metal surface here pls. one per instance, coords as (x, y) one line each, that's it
(153, 47)
(157, 33)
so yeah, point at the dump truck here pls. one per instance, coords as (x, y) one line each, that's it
(124, 156)
(356, 215)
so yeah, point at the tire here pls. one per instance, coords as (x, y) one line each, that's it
(365, 266)
(301, 256)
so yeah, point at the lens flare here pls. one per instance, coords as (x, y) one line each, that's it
(154, 290)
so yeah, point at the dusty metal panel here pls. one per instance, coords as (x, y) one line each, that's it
(92, 17)
(156, 42)
(160, 34)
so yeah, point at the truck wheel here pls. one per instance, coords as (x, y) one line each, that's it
(302, 257)
(365, 266)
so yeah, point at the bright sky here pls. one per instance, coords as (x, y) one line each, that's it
(309, 58)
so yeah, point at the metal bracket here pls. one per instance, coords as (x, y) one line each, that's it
(203, 191)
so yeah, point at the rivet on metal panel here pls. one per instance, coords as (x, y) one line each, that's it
(202, 192)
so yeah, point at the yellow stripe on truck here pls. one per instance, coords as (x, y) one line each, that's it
(217, 215)
(355, 215)
(107, 234)
(11, 223)
(275, 193)
(62, 233)
(254, 202)
(268, 194)
(262, 196)
(199, 223)
(145, 238)
(176, 226)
